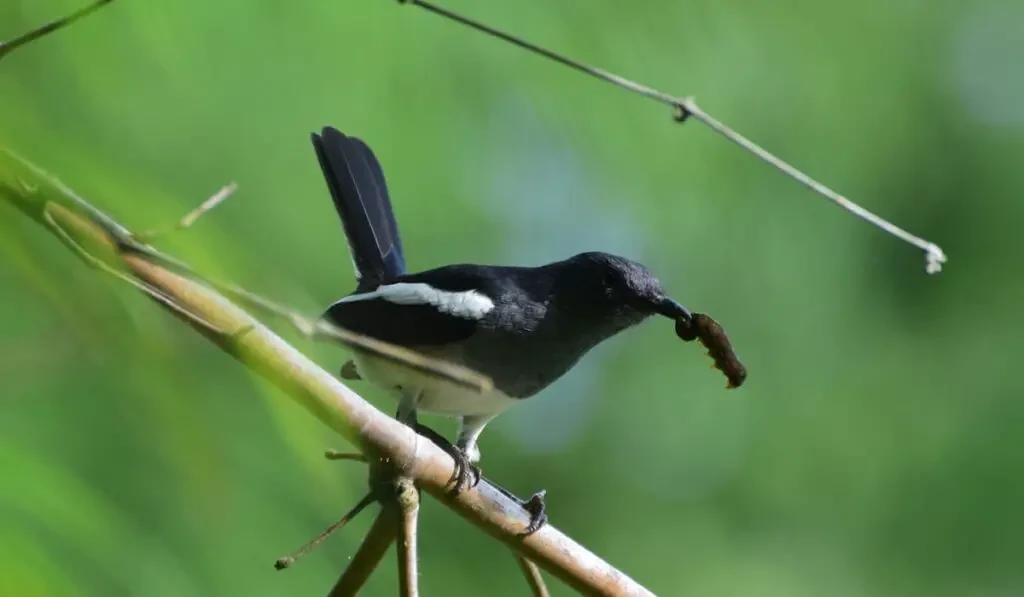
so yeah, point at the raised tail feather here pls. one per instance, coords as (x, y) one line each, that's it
(356, 182)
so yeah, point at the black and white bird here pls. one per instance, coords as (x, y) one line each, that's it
(524, 327)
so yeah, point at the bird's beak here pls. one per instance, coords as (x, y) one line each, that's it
(671, 309)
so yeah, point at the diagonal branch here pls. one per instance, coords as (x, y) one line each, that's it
(36, 193)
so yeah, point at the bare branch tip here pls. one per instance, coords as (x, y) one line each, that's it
(934, 258)
(214, 200)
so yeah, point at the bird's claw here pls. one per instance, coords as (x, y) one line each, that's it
(538, 513)
(467, 474)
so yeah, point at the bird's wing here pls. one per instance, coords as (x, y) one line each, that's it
(433, 308)
(356, 182)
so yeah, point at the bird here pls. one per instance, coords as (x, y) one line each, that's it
(523, 327)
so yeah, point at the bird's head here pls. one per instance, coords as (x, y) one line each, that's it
(618, 293)
(626, 287)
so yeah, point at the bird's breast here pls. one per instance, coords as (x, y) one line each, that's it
(435, 395)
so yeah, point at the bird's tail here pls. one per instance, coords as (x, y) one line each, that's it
(356, 182)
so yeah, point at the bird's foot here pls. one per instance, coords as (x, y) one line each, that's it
(466, 473)
(534, 506)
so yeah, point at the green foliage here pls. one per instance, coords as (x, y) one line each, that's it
(875, 450)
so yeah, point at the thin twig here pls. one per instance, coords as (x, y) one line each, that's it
(287, 561)
(6, 47)
(686, 107)
(408, 502)
(371, 552)
(533, 576)
(190, 218)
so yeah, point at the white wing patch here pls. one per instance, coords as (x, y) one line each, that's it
(467, 304)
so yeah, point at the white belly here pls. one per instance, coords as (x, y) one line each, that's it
(435, 395)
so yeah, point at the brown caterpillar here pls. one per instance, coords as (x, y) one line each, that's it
(715, 340)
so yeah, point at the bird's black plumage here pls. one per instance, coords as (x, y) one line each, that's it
(357, 186)
(542, 319)
(524, 327)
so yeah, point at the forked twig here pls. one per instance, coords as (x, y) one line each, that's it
(6, 47)
(687, 107)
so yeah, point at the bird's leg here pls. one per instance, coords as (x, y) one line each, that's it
(407, 404)
(464, 468)
(466, 454)
(470, 427)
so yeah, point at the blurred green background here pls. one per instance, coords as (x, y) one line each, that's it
(876, 450)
